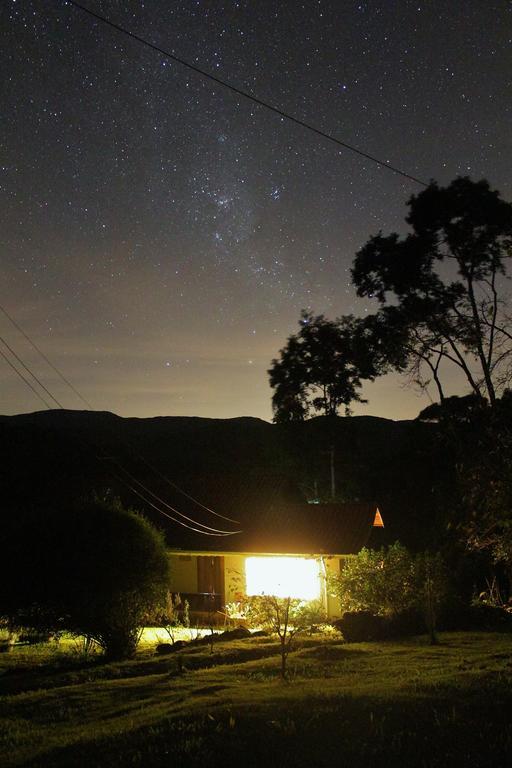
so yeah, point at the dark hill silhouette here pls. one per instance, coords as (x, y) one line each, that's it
(51, 458)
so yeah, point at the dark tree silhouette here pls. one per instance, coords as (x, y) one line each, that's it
(322, 367)
(477, 437)
(96, 570)
(441, 288)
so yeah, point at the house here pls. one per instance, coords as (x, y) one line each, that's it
(286, 549)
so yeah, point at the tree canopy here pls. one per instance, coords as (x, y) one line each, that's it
(476, 437)
(441, 287)
(321, 368)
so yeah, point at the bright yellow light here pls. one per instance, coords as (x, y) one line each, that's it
(296, 577)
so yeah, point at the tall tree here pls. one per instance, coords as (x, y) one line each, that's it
(441, 287)
(477, 439)
(321, 368)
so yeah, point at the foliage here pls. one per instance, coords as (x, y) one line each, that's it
(380, 581)
(97, 571)
(321, 368)
(441, 288)
(174, 614)
(478, 436)
(283, 616)
(394, 584)
(121, 570)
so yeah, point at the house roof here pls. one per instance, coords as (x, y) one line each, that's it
(268, 511)
(293, 529)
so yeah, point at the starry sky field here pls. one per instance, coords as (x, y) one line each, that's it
(160, 234)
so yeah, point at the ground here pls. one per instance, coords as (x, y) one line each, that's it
(368, 704)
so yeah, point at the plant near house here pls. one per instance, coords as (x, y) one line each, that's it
(175, 614)
(284, 616)
(380, 581)
(394, 586)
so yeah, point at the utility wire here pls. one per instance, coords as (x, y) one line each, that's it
(185, 517)
(180, 490)
(13, 353)
(246, 95)
(150, 503)
(208, 531)
(89, 406)
(27, 382)
(49, 362)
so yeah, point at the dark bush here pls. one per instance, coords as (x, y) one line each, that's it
(97, 570)
(406, 624)
(361, 626)
(238, 633)
(490, 617)
(364, 626)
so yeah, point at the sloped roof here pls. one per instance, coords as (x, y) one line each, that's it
(293, 529)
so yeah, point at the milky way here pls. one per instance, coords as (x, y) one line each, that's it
(160, 234)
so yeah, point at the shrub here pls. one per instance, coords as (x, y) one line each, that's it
(96, 571)
(382, 582)
(173, 614)
(478, 616)
(119, 574)
(361, 626)
(283, 616)
(391, 583)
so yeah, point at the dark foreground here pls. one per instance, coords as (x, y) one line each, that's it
(400, 704)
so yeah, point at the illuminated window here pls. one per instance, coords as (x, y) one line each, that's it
(296, 577)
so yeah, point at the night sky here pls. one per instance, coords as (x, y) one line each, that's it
(160, 235)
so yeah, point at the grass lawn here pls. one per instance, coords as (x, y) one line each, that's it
(367, 704)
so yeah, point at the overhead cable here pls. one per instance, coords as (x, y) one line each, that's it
(185, 517)
(180, 490)
(207, 530)
(30, 372)
(89, 406)
(27, 382)
(179, 522)
(247, 95)
(45, 358)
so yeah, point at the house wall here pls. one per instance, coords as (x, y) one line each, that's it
(234, 576)
(332, 568)
(183, 573)
(184, 577)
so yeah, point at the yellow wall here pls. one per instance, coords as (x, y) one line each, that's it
(183, 573)
(332, 568)
(234, 576)
(184, 577)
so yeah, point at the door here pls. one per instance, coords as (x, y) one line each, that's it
(210, 577)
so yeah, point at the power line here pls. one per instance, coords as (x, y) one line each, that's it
(207, 530)
(49, 362)
(89, 406)
(27, 382)
(13, 353)
(180, 490)
(185, 517)
(166, 514)
(246, 95)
